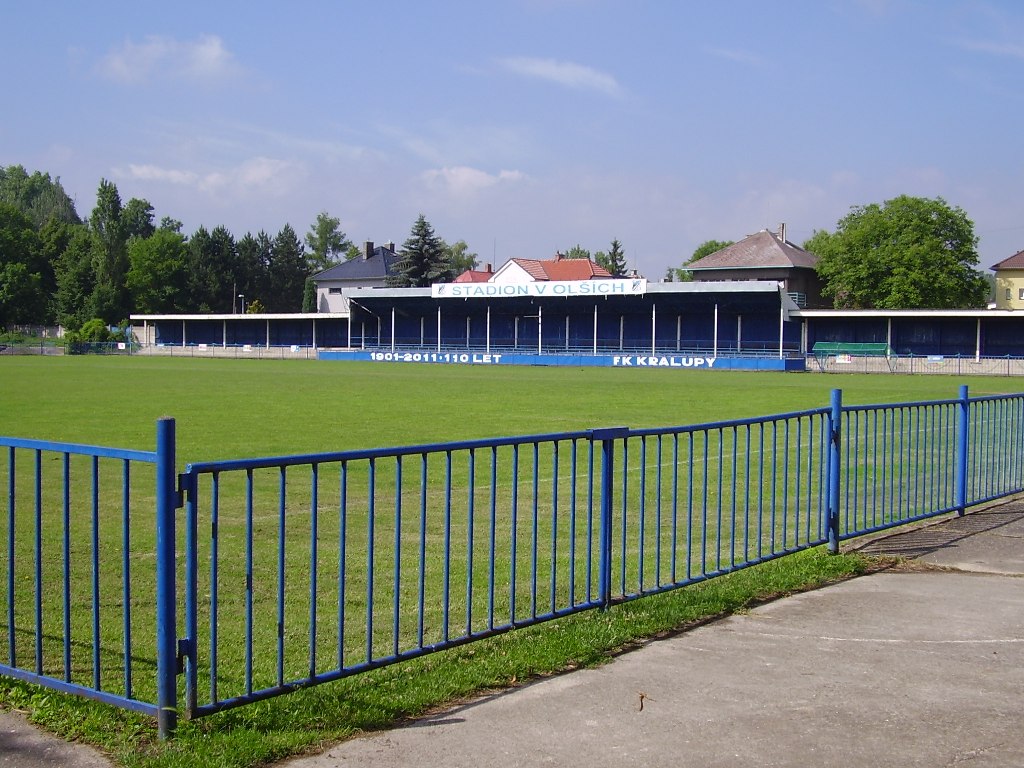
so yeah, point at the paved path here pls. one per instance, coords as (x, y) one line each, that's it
(24, 746)
(910, 667)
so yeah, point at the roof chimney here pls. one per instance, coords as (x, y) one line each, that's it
(390, 245)
(782, 231)
(367, 249)
(558, 256)
(488, 268)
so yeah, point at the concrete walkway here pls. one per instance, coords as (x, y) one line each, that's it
(917, 666)
(22, 745)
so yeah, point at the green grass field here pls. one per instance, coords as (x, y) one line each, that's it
(245, 408)
(232, 408)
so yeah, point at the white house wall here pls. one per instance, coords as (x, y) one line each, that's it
(511, 273)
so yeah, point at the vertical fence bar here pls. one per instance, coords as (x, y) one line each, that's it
(11, 472)
(166, 600)
(396, 597)
(38, 575)
(95, 573)
(66, 565)
(960, 470)
(834, 462)
(191, 591)
(314, 537)
(606, 437)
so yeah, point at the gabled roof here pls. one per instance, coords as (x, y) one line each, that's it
(474, 276)
(1014, 262)
(763, 249)
(380, 263)
(561, 268)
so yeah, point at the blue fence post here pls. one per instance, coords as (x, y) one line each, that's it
(607, 438)
(166, 599)
(834, 463)
(963, 430)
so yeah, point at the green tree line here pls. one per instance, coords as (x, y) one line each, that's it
(56, 267)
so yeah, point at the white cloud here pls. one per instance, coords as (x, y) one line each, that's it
(740, 57)
(461, 181)
(204, 60)
(261, 175)
(565, 73)
(1010, 50)
(156, 173)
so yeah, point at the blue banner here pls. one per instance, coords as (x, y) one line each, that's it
(678, 361)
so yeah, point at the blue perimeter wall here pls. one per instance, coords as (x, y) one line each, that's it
(606, 361)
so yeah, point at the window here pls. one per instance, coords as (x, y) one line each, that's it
(334, 291)
(1020, 294)
(1009, 295)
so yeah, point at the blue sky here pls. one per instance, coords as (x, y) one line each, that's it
(528, 126)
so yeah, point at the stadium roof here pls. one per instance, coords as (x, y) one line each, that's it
(749, 295)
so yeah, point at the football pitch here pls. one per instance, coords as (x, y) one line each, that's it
(246, 408)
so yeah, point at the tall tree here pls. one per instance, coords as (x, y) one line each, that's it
(156, 278)
(615, 260)
(327, 243)
(309, 296)
(212, 267)
(22, 299)
(111, 266)
(37, 196)
(54, 238)
(76, 278)
(199, 272)
(908, 253)
(459, 257)
(224, 253)
(576, 252)
(171, 224)
(288, 272)
(421, 260)
(254, 255)
(138, 218)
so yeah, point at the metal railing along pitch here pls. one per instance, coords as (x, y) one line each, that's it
(298, 570)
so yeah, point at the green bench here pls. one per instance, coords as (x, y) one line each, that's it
(823, 350)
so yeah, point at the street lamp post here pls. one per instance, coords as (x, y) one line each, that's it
(241, 299)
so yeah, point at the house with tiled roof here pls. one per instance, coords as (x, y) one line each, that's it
(559, 268)
(1010, 282)
(368, 270)
(768, 256)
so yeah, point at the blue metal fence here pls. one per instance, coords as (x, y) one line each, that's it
(79, 517)
(299, 570)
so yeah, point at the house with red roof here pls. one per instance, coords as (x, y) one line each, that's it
(1010, 282)
(517, 271)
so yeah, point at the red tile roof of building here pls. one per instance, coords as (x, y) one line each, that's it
(1014, 262)
(560, 268)
(474, 276)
